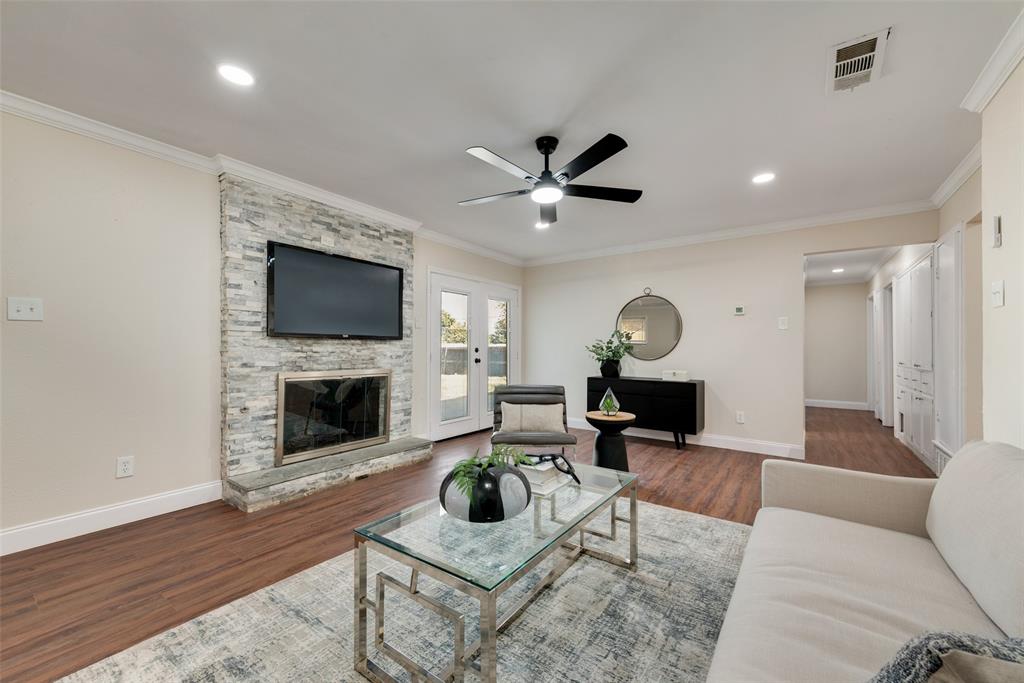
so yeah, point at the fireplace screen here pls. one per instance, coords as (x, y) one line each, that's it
(320, 413)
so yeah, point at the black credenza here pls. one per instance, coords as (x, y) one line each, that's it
(667, 406)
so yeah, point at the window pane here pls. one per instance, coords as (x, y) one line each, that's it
(454, 355)
(497, 347)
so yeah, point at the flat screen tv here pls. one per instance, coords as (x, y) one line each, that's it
(314, 294)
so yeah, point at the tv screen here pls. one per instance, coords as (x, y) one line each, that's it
(313, 294)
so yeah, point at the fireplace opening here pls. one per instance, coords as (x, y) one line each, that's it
(321, 413)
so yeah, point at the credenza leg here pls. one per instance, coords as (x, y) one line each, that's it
(675, 437)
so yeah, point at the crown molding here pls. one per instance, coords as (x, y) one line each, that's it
(472, 248)
(74, 123)
(960, 175)
(65, 120)
(746, 231)
(1000, 65)
(277, 181)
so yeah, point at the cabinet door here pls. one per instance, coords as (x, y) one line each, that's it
(921, 315)
(902, 423)
(927, 409)
(901, 321)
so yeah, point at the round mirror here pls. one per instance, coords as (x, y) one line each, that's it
(655, 326)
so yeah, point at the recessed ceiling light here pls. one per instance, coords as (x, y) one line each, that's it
(235, 74)
(838, 270)
(540, 225)
(762, 178)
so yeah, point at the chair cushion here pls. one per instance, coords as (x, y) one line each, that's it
(824, 599)
(531, 417)
(533, 438)
(976, 520)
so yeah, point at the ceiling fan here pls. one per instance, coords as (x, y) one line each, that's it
(547, 188)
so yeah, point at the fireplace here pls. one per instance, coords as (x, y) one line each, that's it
(322, 413)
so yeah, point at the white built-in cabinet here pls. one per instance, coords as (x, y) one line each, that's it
(927, 353)
(921, 315)
(912, 359)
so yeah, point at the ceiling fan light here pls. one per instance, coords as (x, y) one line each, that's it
(546, 194)
(542, 225)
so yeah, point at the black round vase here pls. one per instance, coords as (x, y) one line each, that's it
(500, 493)
(610, 368)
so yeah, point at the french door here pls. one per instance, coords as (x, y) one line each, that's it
(474, 347)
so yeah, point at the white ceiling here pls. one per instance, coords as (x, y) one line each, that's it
(378, 101)
(858, 266)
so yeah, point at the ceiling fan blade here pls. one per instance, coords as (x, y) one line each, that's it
(548, 214)
(611, 194)
(603, 149)
(484, 154)
(492, 197)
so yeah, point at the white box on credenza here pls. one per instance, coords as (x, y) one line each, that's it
(675, 375)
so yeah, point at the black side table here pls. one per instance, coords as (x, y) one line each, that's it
(609, 444)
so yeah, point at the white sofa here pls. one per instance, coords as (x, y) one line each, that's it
(842, 567)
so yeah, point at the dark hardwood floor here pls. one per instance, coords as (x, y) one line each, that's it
(69, 604)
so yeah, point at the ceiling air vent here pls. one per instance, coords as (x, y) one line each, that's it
(857, 61)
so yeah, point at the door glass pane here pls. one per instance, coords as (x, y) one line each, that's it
(497, 347)
(454, 355)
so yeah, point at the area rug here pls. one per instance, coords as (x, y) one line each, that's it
(598, 622)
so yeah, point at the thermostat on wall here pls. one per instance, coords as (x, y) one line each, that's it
(739, 310)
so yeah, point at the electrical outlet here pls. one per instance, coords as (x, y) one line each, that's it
(125, 467)
(740, 417)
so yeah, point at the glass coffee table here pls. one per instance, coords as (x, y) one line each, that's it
(483, 561)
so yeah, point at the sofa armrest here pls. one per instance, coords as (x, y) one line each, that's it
(897, 503)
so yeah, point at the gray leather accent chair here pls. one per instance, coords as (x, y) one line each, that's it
(531, 394)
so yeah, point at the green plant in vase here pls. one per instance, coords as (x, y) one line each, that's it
(609, 352)
(472, 492)
(609, 404)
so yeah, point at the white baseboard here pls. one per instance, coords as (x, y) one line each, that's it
(34, 534)
(842, 405)
(732, 443)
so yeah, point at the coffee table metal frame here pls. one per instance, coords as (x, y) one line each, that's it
(482, 653)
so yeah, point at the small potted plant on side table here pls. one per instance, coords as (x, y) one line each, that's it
(608, 353)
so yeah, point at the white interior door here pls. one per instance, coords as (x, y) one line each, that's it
(871, 349)
(474, 347)
(948, 352)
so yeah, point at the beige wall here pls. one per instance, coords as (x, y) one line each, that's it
(124, 251)
(963, 206)
(1002, 149)
(430, 254)
(747, 362)
(974, 302)
(835, 343)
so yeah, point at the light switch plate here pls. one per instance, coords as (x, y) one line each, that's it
(24, 308)
(998, 295)
(784, 322)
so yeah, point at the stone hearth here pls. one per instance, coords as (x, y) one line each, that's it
(251, 361)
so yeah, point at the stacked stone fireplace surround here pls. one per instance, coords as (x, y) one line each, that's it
(252, 214)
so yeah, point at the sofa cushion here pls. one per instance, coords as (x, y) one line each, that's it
(823, 599)
(976, 520)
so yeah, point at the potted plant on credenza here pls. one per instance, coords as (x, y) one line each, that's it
(610, 351)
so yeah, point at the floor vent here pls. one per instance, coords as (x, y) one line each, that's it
(857, 61)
